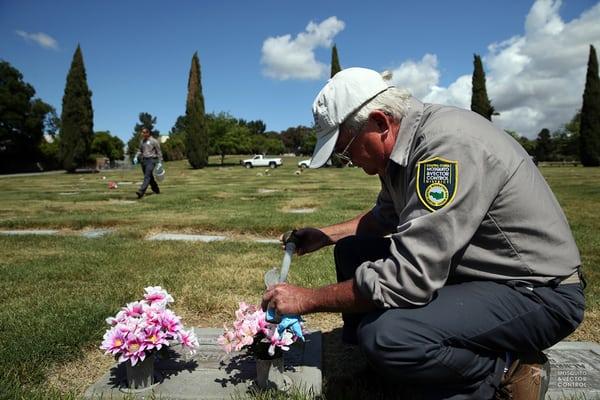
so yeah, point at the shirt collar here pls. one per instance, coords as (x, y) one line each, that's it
(406, 134)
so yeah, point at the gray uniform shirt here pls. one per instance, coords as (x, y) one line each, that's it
(150, 149)
(466, 202)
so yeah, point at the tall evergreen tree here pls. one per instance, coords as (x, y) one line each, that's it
(480, 103)
(335, 62)
(335, 68)
(196, 130)
(544, 148)
(77, 118)
(589, 135)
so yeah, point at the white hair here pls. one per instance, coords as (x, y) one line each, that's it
(393, 102)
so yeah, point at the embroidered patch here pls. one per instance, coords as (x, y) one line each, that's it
(437, 179)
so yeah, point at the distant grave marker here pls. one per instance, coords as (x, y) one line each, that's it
(301, 210)
(30, 232)
(186, 237)
(96, 233)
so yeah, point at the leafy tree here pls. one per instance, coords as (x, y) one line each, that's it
(227, 136)
(108, 145)
(590, 115)
(335, 62)
(146, 121)
(22, 122)
(196, 132)
(480, 103)
(267, 143)
(50, 151)
(174, 148)
(298, 140)
(571, 131)
(77, 118)
(544, 148)
(255, 127)
(178, 129)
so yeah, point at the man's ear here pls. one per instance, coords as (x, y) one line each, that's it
(380, 120)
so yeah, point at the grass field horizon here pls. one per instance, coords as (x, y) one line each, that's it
(59, 289)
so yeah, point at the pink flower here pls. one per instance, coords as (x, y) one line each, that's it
(135, 309)
(228, 340)
(155, 338)
(189, 340)
(283, 342)
(134, 350)
(170, 323)
(156, 294)
(145, 326)
(114, 341)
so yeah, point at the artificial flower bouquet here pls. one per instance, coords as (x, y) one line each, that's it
(143, 327)
(251, 330)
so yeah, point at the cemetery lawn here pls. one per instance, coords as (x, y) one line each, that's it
(58, 290)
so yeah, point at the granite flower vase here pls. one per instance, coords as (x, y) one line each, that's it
(141, 375)
(270, 375)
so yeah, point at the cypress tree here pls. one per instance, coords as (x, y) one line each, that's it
(335, 62)
(589, 134)
(335, 68)
(196, 130)
(77, 118)
(544, 148)
(480, 103)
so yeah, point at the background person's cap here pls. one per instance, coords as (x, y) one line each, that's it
(343, 94)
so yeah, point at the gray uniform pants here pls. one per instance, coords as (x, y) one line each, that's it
(148, 168)
(455, 346)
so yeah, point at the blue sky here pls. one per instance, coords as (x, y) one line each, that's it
(268, 59)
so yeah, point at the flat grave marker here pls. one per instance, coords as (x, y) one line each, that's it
(213, 374)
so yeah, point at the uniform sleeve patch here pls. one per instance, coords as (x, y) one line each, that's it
(437, 179)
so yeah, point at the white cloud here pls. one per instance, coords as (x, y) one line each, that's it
(534, 80)
(418, 77)
(287, 58)
(40, 38)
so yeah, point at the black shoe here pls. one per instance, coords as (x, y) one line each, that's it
(157, 191)
(139, 195)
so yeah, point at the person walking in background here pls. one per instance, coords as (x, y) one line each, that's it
(149, 155)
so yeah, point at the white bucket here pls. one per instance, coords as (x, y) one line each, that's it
(159, 172)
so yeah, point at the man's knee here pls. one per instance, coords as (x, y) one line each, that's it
(396, 347)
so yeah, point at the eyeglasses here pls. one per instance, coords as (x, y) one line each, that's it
(343, 156)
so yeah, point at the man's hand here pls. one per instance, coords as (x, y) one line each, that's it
(308, 240)
(288, 299)
(135, 160)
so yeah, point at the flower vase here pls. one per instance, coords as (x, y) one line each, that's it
(141, 375)
(269, 374)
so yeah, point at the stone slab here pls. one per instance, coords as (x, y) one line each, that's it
(575, 370)
(268, 241)
(186, 237)
(30, 232)
(301, 210)
(96, 233)
(212, 374)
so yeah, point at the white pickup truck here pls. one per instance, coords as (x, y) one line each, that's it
(261, 161)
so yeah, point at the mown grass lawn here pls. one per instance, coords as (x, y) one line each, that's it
(57, 290)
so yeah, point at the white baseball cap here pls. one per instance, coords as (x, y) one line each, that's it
(343, 94)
